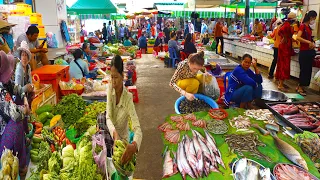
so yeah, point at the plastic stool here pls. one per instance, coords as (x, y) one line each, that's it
(134, 91)
(138, 54)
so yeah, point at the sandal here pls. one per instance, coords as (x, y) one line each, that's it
(302, 93)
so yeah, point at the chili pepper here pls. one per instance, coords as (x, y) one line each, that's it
(52, 148)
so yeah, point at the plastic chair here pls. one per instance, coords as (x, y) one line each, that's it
(173, 56)
(134, 91)
(226, 76)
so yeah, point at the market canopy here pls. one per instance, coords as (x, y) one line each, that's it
(93, 7)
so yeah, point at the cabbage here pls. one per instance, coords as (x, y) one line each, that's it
(68, 151)
(54, 163)
(68, 160)
(92, 130)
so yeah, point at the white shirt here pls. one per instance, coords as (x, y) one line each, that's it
(191, 28)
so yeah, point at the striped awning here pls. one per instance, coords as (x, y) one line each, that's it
(102, 16)
(207, 14)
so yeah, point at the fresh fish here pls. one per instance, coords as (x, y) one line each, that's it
(241, 169)
(212, 143)
(252, 171)
(184, 166)
(291, 153)
(179, 162)
(199, 155)
(206, 166)
(169, 168)
(191, 155)
(265, 174)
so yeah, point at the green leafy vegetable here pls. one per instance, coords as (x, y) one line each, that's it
(54, 163)
(71, 108)
(44, 156)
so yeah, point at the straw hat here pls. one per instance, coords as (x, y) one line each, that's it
(292, 15)
(5, 24)
(6, 68)
(24, 47)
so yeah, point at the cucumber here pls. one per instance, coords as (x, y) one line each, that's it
(36, 139)
(34, 152)
(35, 145)
(34, 158)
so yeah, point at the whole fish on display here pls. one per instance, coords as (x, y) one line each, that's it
(183, 164)
(169, 167)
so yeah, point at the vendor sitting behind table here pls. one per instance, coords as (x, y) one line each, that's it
(257, 28)
(206, 39)
(78, 67)
(189, 47)
(39, 53)
(23, 71)
(127, 42)
(186, 79)
(244, 85)
(120, 108)
(87, 52)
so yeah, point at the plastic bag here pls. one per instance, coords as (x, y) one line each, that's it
(52, 40)
(210, 86)
(99, 157)
(317, 78)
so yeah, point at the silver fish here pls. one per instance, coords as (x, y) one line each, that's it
(252, 172)
(179, 162)
(291, 153)
(199, 155)
(212, 143)
(191, 155)
(169, 168)
(185, 167)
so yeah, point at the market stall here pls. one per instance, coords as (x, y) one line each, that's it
(206, 144)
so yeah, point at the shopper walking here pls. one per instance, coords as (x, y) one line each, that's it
(218, 34)
(277, 39)
(285, 51)
(307, 52)
(109, 32)
(204, 29)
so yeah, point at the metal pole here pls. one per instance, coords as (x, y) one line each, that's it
(225, 11)
(247, 15)
(236, 16)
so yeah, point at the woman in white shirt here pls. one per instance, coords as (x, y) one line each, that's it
(120, 109)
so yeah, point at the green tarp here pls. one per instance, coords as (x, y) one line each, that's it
(93, 7)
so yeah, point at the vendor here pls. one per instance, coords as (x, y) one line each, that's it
(120, 108)
(87, 52)
(31, 37)
(206, 39)
(232, 29)
(173, 43)
(6, 38)
(257, 29)
(23, 71)
(244, 85)
(186, 80)
(127, 42)
(13, 121)
(189, 46)
(143, 42)
(78, 67)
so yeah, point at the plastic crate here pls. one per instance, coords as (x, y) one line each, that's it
(40, 101)
(42, 32)
(53, 74)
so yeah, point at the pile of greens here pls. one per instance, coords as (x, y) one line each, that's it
(44, 156)
(71, 108)
(90, 117)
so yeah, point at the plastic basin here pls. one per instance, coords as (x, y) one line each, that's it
(207, 99)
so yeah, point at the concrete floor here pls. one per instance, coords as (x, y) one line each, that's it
(156, 103)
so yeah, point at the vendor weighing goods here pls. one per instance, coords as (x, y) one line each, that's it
(289, 171)
(217, 126)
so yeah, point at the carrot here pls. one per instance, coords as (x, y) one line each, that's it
(38, 131)
(52, 148)
(38, 124)
(63, 135)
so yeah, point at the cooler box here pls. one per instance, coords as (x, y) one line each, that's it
(52, 74)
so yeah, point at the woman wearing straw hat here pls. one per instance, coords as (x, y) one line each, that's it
(23, 70)
(6, 39)
(13, 118)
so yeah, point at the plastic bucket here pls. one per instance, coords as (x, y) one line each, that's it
(207, 99)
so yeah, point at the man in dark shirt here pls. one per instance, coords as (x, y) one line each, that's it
(104, 32)
(167, 34)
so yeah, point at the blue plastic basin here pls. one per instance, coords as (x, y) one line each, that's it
(207, 99)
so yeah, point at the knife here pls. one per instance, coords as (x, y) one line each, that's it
(285, 130)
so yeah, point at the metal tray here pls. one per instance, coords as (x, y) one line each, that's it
(297, 129)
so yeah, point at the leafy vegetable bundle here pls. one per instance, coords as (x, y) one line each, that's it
(71, 108)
